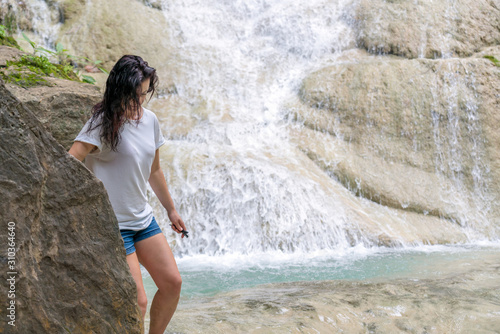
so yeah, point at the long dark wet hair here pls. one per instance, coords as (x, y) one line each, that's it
(122, 93)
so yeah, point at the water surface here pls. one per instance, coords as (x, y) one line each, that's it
(206, 276)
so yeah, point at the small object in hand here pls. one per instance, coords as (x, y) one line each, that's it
(184, 232)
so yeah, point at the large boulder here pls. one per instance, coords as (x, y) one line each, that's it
(416, 135)
(8, 53)
(66, 259)
(62, 108)
(427, 28)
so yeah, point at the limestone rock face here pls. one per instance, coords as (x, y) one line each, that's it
(416, 135)
(106, 30)
(8, 53)
(427, 28)
(71, 273)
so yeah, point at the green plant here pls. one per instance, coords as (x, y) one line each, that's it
(494, 60)
(88, 79)
(61, 55)
(9, 21)
(23, 78)
(6, 39)
(30, 69)
(42, 66)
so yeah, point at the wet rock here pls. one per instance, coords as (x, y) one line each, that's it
(135, 28)
(70, 268)
(9, 53)
(459, 296)
(416, 135)
(426, 28)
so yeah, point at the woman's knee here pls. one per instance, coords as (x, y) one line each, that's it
(176, 283)
(171, 284)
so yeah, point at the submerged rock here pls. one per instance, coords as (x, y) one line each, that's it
(458, 297)
(69, 263)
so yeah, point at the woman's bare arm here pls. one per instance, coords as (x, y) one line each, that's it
(80, 149)
(159, 185)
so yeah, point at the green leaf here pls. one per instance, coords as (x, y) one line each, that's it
(88, 79)
(50, 52)
(33, 45)
(103, 70)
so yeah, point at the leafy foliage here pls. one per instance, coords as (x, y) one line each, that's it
(31, 69)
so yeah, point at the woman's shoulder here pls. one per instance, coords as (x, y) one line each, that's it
(149, 114)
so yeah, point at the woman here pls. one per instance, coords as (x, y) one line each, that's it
(120, 144)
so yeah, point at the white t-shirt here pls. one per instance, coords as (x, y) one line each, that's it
(125, 172)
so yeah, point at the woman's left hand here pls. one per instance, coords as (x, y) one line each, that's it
(177, 222)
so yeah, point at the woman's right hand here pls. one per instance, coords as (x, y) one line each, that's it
(177, 222)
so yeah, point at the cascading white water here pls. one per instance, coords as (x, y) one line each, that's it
(44, 17)
(240, 185)
(452, 150)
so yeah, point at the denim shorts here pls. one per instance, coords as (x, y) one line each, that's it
(130, 237)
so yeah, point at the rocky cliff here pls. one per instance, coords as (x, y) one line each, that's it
(415, 134)
(66, 260)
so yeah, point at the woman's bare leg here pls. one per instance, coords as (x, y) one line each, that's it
(135, 270)
(156, 256)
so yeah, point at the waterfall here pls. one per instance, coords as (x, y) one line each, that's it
(237, 179)
(240, 185)
(237, 173)
(42, 17)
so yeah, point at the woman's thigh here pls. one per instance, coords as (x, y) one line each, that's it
(155, 255)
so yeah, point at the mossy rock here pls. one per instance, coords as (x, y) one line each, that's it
(30, 70)
(9, 41)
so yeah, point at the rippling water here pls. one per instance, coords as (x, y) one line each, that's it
(204, 276)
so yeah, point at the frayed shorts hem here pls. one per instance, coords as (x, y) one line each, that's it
(130, 237)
